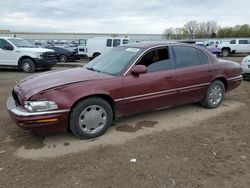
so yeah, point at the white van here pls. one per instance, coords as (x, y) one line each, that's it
(98, 45)
(19, 53)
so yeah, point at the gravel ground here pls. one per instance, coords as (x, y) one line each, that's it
(186, 146)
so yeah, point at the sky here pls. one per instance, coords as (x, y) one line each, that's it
(117, 16)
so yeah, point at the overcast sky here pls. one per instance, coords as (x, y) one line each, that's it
(117, 16)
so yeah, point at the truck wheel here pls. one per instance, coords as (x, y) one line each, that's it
(63, 58)
(225, 52)
(28, 65)
(91, 117)
(214, 95)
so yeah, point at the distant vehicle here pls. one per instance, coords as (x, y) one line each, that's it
(245, 67)
(64, 55)
(213, 50)
(122, 81)
(19, 53)
(97, 46)
(212, 43)
(235, 46)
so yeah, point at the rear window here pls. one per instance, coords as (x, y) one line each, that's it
(244, 42)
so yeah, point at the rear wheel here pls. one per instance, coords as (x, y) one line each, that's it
(214, 95)
(91, 117)
(28, 65)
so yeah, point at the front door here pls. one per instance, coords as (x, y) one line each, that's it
(154, 89)
(8, 57)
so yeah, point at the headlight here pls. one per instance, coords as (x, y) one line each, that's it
(39, 106)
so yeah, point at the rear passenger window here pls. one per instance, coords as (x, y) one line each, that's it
(203, 57)
(109, 42)
(186, 56)
(116, 42)
(243, 42)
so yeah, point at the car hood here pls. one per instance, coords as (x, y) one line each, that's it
(32, 85)
(35, 50)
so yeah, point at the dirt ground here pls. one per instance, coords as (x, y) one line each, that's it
(186, 146)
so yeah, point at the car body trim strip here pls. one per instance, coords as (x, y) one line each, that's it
(160, 92)
(18, 112)
(236, 78)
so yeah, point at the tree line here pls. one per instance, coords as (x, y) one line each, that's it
(209, 29)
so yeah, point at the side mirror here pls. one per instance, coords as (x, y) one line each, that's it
(139, 69)
(9, 47)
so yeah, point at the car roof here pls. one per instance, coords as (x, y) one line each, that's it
(146, 45)
(9, 38)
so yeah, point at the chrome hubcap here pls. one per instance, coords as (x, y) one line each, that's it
(26, 67)
(215, 94)
(92, 119)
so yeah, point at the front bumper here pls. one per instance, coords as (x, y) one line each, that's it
(44, 63)
(38, 122)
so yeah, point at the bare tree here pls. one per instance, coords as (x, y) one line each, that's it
(191, 28)
(211, 28)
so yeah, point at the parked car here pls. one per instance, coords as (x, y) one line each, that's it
(213, 50)
(245, 67)
(235, 46)
(64, 55)
(123, 81)
(19, 53)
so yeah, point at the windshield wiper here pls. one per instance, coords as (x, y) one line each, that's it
(92, 69)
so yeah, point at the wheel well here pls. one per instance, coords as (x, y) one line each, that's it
(226, 48)
(103, 96)
(22, 58)
(224, 81)
(96, 54)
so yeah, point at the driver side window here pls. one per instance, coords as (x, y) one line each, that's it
(156, 60)
(3, 44)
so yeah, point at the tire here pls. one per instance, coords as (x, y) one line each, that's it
(217, 55)
(214, 95)
(63, 58)
(28, 65)
(91, 118)
(225, 52)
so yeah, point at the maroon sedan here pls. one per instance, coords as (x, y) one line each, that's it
(123, 81)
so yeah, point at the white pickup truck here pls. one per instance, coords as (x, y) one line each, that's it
(234, 46)
(19, 53)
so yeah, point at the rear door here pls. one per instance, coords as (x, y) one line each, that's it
(154, 89)
(193, 73)
(244, 45)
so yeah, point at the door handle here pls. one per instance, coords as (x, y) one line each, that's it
(168, 77)
(211, 70)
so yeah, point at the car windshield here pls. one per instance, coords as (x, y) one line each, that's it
(20, 43)
(113, 61)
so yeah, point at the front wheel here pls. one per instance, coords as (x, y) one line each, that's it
(91, 117)
(225, 52)
(63, 58)
(214, 95)
(28, 65)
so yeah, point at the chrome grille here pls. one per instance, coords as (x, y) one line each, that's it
(16, 97)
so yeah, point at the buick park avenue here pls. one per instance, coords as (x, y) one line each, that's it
(123, 81)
